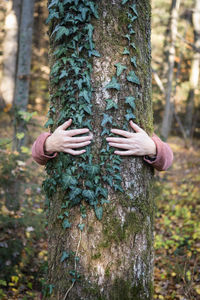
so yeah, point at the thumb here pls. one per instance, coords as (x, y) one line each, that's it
(65, 125)
(135, 127)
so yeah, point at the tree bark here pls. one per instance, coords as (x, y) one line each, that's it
(168, 111)
(10, 48)
(23, 70)
(112, 257)
(194, 73)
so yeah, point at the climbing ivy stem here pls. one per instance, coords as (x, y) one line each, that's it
(75, 264)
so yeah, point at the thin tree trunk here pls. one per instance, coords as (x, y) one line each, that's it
(23, 70)
(10, 48)
(194, 74)
(109, 256)
(168, 111)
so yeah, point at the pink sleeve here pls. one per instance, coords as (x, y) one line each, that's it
(164, 155)
(38, 149)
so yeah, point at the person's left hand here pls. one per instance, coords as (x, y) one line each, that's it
(138, 143)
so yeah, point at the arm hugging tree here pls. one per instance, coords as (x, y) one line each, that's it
(100, 215)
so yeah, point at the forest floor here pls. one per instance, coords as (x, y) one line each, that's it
(23, 242)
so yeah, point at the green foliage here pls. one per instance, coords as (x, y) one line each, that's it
(126, 51)
(99, 212)
(133, 78)
(130, 100)
(113, 84)
(120, 68)
(65, 256)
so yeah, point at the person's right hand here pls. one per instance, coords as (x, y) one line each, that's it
(63, 140)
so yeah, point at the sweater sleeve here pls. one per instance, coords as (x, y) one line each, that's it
(38, 153)
(164, 155)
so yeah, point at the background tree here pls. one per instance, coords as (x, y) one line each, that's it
(10, 50)
(194, 73)
(100, 77)
(23, 71)
(169, 105)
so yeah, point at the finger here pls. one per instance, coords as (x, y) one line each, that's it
(80, 139)
(117, 140)
(78, 145)
(135, 127)
(121, 132)
(123, 146)
(129, 152)
(65, 125)
(77, 131)
(73, 152)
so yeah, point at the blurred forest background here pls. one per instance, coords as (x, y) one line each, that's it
(24, 74)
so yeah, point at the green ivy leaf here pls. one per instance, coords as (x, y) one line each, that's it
(133, 45)
(74, 193)
(61, 8)
(133, 78)
(65, 255)
(90, 28)
(129, 116)
(118, 187)
(131, 17)
(68, 180)
(66, 224)
(81, 226)
(126, 51)
(89, 184)
(102, 191)
(99, 212)
(130, 100)
(113, 84)
(111, 104)
(60, 32)
(94, 53)
(63, 74)
(108, 179)
(87, 124)
(92, 170)
(88, 109)
(52, 15)
(89, 194)
(124, 2)
(49, 122)
(133, 7)
(85, 94)
(106, 119)
(83, 11)
(127, 36)
(120, 68)
(93, 8)
(133, 60)
(105, 131)
(131, 31)
(53, 3)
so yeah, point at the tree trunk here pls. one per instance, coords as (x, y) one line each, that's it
(100, 250)
(23, 70)
(10, 48)
(168, 112)
(194, 74)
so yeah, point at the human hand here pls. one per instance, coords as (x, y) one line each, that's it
(137, 143)
(63, 140)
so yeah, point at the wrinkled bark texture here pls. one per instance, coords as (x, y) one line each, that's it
(23, 68)
(116, 253)
(169, 105)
